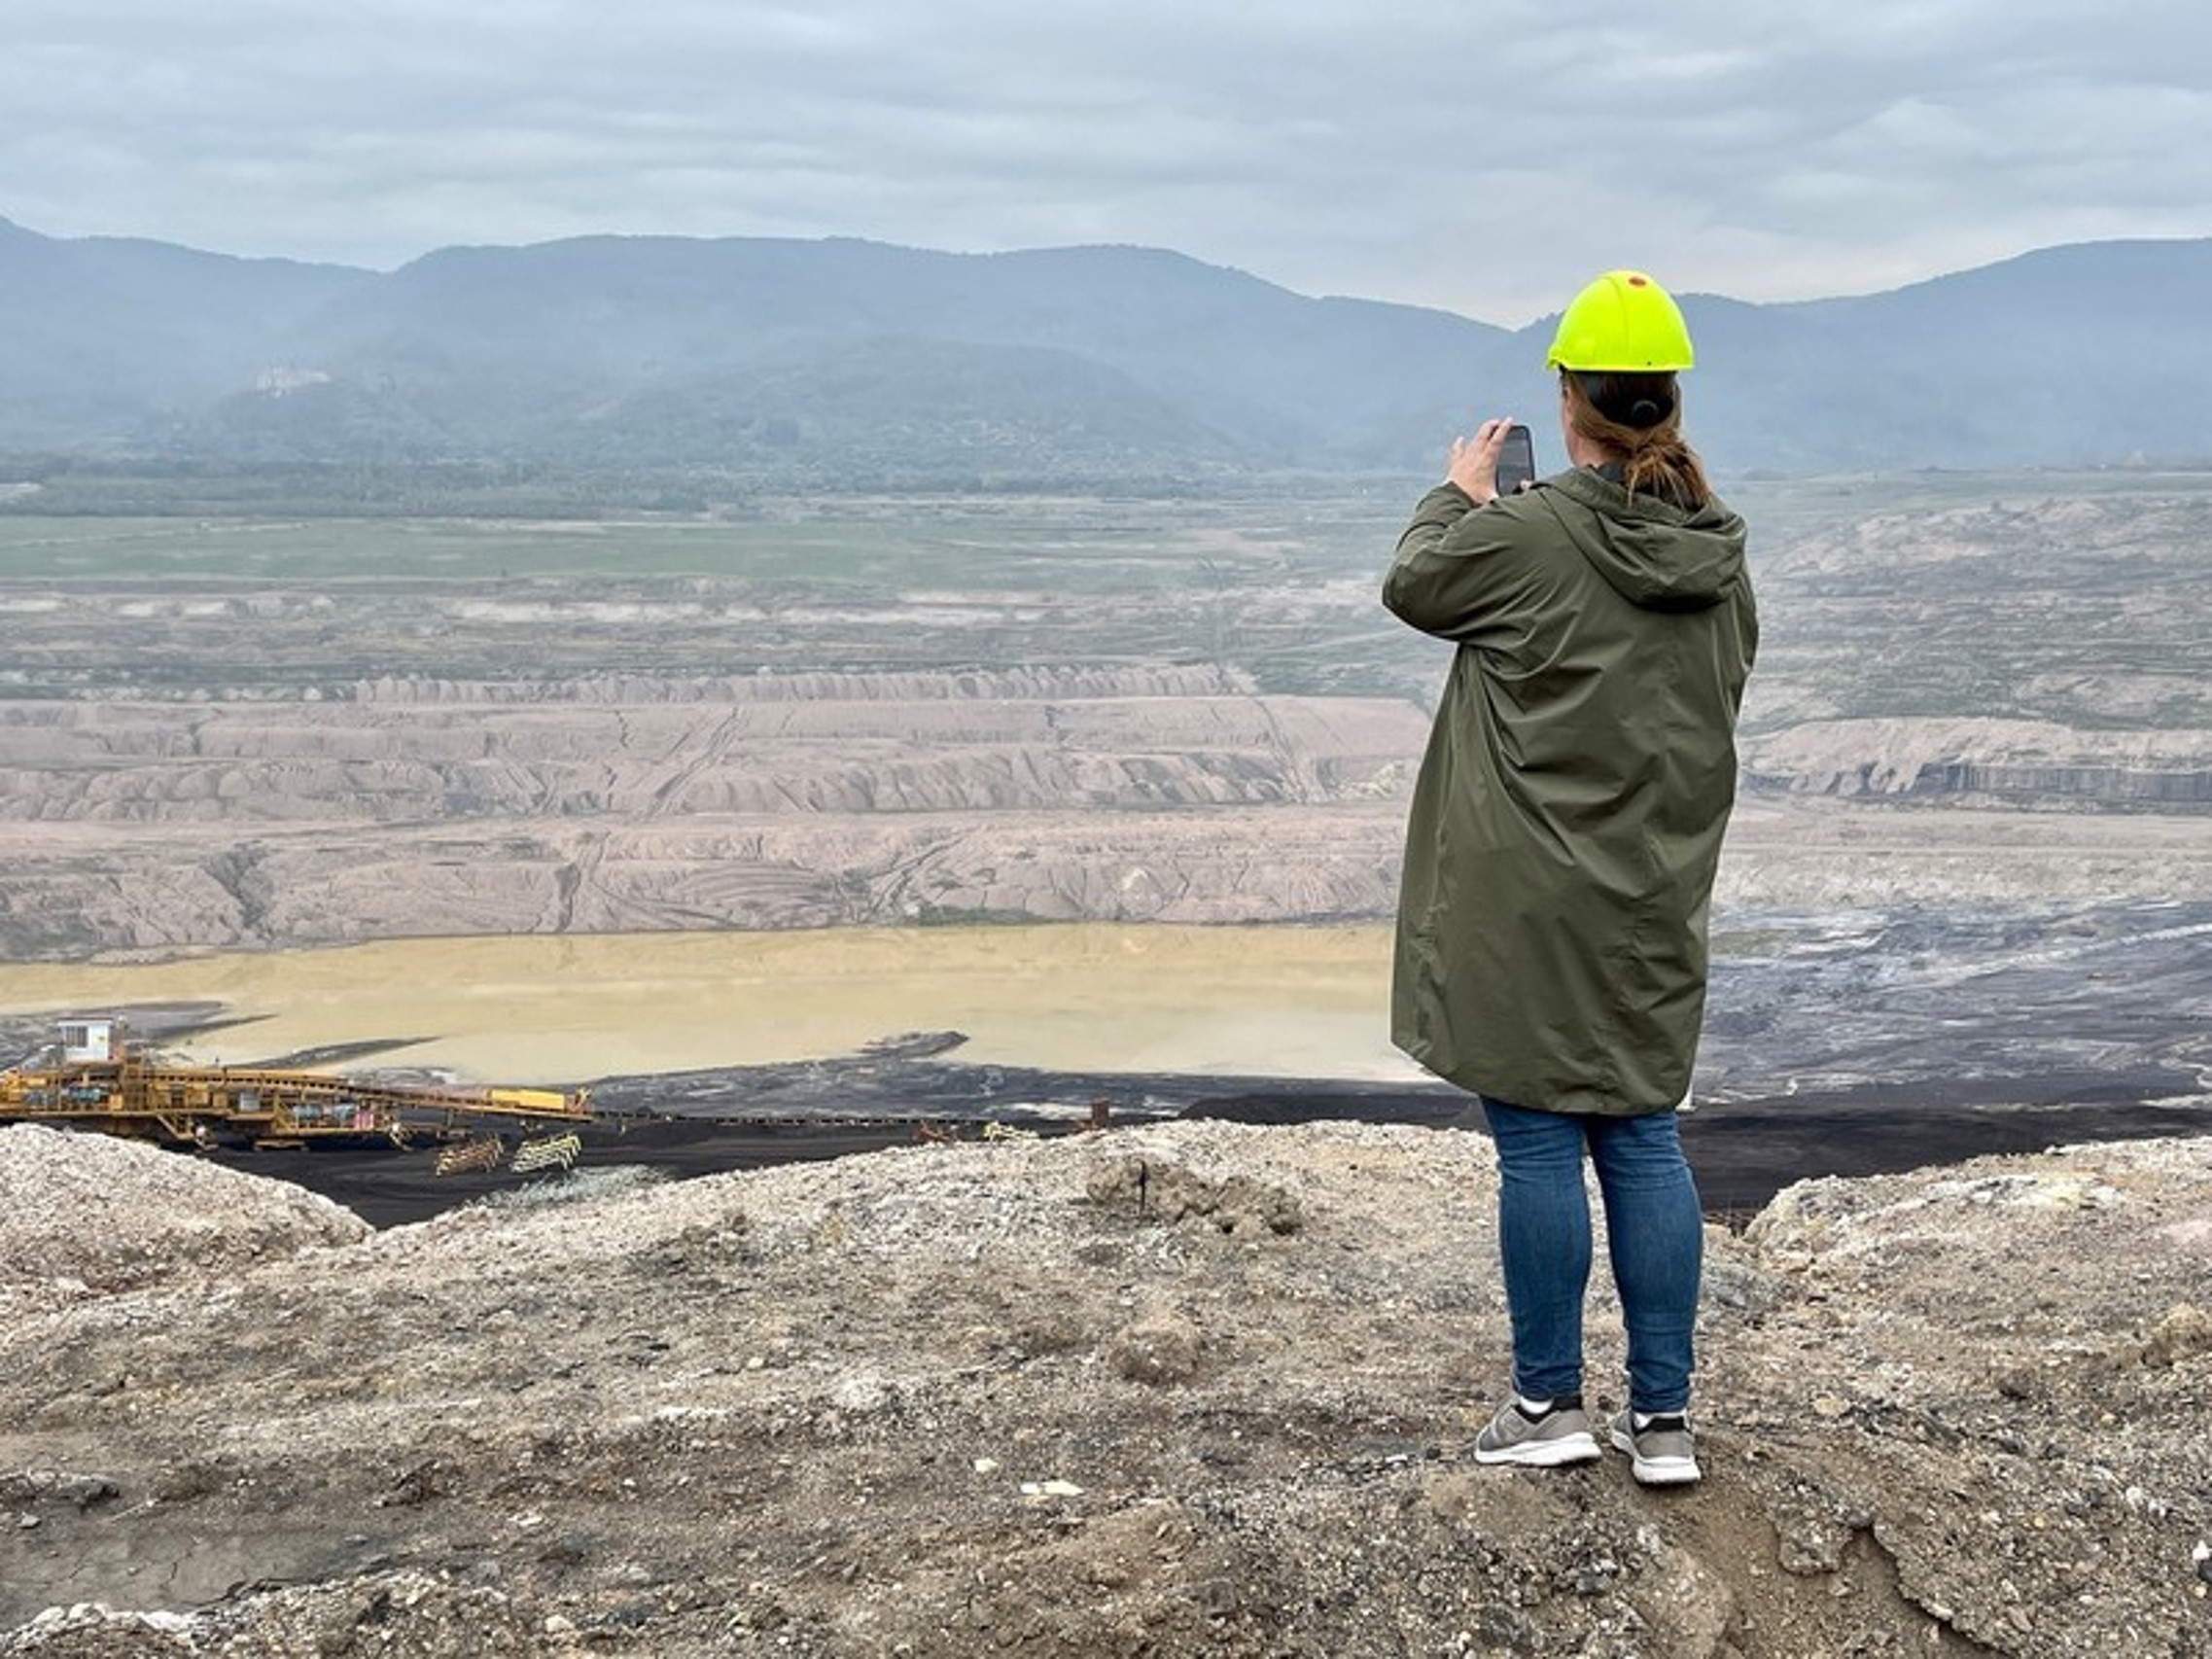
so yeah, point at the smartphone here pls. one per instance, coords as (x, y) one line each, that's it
(1516, 460)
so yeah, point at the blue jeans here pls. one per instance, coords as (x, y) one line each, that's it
(1655, 1235)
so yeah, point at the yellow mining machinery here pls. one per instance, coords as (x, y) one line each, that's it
(97, 1078)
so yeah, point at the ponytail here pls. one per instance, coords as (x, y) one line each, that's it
(1638, 418)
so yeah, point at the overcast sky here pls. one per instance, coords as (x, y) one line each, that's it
(1484, 157)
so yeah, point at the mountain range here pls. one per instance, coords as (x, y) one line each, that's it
(850, 360)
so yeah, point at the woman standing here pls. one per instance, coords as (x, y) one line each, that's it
(1560, 857)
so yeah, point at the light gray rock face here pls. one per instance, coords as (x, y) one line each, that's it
(994, 1397)
(1923, 759)
(796, 800)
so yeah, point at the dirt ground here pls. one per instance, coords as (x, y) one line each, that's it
(1184, 1388)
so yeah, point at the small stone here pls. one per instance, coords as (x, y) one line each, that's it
(1217, 1598)
(1163, 1350)
(986, 1465)
(27, 1522)
(862, 1395)
(1829, 1407)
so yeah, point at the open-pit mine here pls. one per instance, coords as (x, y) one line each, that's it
(1972, 866)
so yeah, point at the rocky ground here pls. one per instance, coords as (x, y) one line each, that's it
(1193, 1387)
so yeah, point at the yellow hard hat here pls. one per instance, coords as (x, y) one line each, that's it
(1624, 321)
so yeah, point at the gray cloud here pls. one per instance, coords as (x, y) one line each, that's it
(1487, 159)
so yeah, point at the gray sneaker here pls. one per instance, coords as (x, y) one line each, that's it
(1665, 1453)
(1560, 1435)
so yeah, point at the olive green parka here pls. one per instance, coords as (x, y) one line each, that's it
(1567, 820)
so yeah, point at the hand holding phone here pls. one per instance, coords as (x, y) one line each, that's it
(1516, 460)
(1499, 460)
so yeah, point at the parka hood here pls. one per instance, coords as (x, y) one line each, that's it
(1653, 554)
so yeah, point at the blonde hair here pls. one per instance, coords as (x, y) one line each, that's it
(1638, 417)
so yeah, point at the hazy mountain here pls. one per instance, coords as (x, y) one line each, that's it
(808, 359)
(106, 340)
(2091, 353)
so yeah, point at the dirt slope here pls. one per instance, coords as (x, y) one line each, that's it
(1199, 1388)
